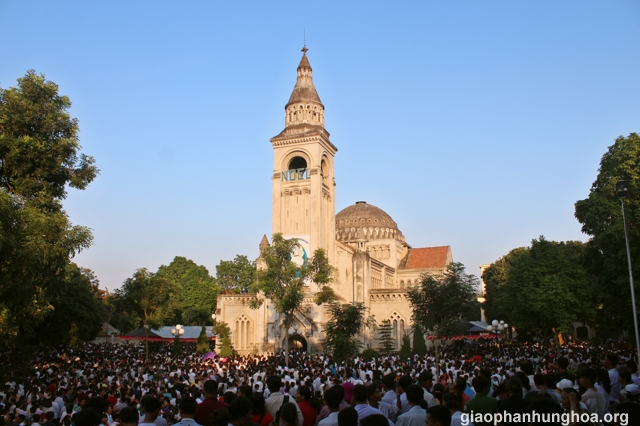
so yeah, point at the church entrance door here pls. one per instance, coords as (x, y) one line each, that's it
(296, 342)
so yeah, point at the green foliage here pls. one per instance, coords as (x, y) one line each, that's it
(145, 298)
(284, 282)
(387, 343)
(196, 291)
(438, 302)
(39, 157)
(405, 349)
(77, 312)
(74, 336)
(342, 329)
(202, 346)
(225, 349)
(221, 329)
(369, 354)
(497, 297)
(39, 143)
(419, 344)
(542, 288)
(473, 311)
(236, 276)
(601, 217)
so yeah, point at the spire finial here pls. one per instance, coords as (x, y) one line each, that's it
(304, 49)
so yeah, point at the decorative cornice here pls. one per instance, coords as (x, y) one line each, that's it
(387, 296)
(296, 191)
(236, 299)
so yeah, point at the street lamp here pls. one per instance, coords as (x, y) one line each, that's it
(177, 332)
(497, 327)
(622, 190)
(146, 342)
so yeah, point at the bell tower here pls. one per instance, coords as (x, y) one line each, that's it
(303, 179)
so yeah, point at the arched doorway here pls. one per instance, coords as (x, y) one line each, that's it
(296, 342)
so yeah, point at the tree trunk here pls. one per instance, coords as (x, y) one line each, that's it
(287, 324)
(437, 360)
(286, 348)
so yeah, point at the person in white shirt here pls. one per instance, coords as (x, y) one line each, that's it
(374, 398)
(426, 381)
(333, 398)
(416, 416)
(610, 363)
(362, 406)
(402, 402)
(389, 396)
(276, 398)
(187, 408)
(152, 407)
(453, 405)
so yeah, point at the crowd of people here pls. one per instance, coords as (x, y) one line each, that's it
(118, 385)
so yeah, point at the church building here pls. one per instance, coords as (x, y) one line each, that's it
(373, 262)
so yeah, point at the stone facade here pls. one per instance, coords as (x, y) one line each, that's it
(373, 262)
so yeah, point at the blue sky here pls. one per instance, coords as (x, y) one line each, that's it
(475, 124)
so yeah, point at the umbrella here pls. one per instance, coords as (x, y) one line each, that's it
(209, 355)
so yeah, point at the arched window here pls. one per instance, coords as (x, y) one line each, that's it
(395, 330)
(297, 163)
(243, 333)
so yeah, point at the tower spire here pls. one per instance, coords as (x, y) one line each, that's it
(304, 106)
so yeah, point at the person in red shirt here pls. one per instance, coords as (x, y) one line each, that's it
(209, 405)
(260, 415)
(303, 398)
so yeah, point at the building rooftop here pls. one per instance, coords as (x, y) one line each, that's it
(429, 258)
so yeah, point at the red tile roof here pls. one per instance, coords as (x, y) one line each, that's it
(428, 257)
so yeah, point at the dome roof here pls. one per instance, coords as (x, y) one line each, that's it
(362, 214)
(371, 221)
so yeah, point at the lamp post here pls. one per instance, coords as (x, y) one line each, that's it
(177, 332)
(622, 190)
(146, 342)
(497, 327)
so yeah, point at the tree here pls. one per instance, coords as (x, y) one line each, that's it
(236, 276)
(601, 217)
(196, 290)
(497, 303)
(405, 349)
(222, 332)
(283, 282)
(543, 288)
(203, 342)
(419, 344)
(225, 348)
(438, 302)
(146, 299)
(39, 158)
(77, 313)
(387, 343)
(39, 144)
(342, 329)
